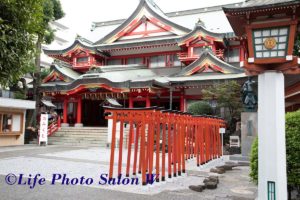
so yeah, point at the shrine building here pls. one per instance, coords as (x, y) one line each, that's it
(148, 59)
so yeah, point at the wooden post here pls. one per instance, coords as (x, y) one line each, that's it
(157, 128)
(65, 111)
(168, 117)
(163, 149)
(143, 150)
(112, 149)
(79, 108)
(120, 145)
(148, 101)
(136, 147)
(182, 101)
(130, 101)
(129, 143)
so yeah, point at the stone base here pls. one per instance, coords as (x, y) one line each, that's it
(248, 131)
(64, 125)
(78, 125)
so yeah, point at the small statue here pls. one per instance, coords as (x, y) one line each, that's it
(249, 97)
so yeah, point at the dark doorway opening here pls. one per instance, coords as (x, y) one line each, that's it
(93, 113)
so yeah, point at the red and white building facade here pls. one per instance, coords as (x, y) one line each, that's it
(145, 60)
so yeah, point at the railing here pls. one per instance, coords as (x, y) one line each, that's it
(185, 56)
(165, 139)
(82, 64)
(219, 53)
(53, 127)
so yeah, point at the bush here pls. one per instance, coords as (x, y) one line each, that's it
(293, 147)
(200, 108)
(292, 151)
(254, 161)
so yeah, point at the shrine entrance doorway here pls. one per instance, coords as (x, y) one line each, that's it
(93, 113)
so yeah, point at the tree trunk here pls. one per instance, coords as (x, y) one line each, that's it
(289, 192)
(37, 81)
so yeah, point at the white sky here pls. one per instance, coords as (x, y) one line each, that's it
(79, 14)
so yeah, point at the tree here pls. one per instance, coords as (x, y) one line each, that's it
(293, 148)
(227, 96)
(19, 20)
(51, 11)
(292, 151)
(200, 108)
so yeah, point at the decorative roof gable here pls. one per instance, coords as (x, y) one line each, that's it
(147, 13)
(207, 62)
(201, 33)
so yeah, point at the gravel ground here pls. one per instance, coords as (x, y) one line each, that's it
(76, 162)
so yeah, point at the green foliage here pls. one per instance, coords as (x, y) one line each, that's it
(293, 147)
(254, 161)
(200, 108)
(51, 11)
(292, 150)
(45, 73)
(297, 46)
(227, 95)
(19, 20)
(20, 95)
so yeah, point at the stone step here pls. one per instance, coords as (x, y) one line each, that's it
(83, 131)
(70, 129)
(78, 135)
(77, 144)
(77, 140)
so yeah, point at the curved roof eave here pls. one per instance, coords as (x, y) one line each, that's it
(77, 42)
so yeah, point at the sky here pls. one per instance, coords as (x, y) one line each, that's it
(79, 14)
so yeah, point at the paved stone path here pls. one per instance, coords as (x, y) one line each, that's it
(90, 162)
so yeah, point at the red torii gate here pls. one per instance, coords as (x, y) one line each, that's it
(185, 135)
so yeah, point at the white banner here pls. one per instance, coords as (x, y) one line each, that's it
(43, 129)
(222, 130)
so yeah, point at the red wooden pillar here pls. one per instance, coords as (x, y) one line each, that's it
(242, 53)
(65, 111)
(148, 102)
(112, 148)
(130, 101)
(182, 101)
(79, 108)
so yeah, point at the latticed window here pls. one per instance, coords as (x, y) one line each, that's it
(270, 43)
(114, 62)
(134, 61)
(233, 55)
(271, 190)
(157, 61)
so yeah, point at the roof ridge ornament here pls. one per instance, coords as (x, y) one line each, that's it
(200, 23)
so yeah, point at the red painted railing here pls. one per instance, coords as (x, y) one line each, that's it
(219, 53)
(53, 127)
(176, 136)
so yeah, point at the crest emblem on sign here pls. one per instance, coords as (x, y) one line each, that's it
(270, 43)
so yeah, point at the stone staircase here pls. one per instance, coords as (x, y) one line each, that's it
(79, 136)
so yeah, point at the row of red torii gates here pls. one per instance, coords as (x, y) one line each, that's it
(165, 138)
